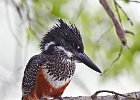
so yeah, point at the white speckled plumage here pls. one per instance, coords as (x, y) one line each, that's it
(69, 54)
(56, 83)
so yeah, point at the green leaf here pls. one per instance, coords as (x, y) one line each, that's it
(127, 1)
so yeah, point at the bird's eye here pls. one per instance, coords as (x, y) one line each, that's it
(78, 47)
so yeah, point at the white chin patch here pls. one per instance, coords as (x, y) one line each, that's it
(69, 54)
(48, 44)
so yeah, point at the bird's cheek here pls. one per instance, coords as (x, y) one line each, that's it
(77, 61)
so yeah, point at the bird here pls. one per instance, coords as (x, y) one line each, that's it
(48, 73)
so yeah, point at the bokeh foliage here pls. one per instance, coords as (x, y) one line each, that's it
(99, 35)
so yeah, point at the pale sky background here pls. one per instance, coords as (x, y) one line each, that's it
(89, 78)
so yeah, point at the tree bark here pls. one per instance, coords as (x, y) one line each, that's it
(115, 96)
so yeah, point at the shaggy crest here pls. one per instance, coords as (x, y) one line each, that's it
(60, 33)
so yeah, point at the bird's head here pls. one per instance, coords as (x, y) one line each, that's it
(66, 38)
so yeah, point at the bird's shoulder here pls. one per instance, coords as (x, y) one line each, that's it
(30, 72)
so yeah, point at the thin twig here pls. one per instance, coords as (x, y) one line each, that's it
(119, 29)
(103, 34)
(118, 57)
(17, 7)
(135, 1)
(79, 11)
(10, 26)
(124, 13)
(117, 10)
(28, 14)
(126, 31)
(117, 94)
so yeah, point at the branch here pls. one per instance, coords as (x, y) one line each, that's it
(119, 29)
(116, 96)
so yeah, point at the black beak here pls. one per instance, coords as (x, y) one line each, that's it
(87, 61)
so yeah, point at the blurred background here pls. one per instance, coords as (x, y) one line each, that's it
(23, 23)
